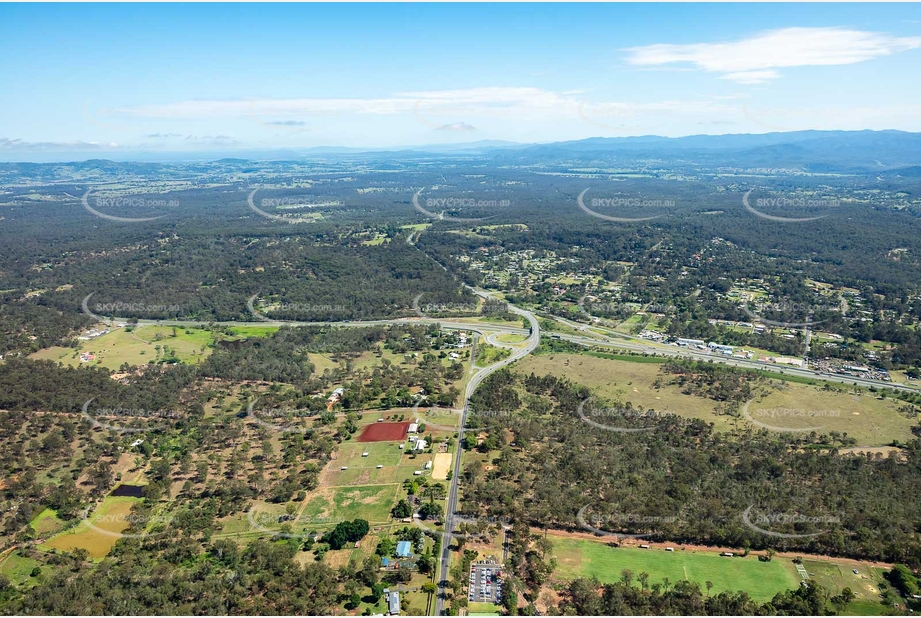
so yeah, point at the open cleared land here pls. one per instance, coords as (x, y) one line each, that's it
(835, 577)
(864, 417)
(623, 381)
(139, 345)
(441, 466)
(868, 419)
(100, 534)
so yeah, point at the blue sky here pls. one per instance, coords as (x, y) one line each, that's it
(167, 77)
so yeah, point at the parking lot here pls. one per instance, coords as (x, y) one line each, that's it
(485, 583)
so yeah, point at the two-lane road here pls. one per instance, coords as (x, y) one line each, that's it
(517, 353)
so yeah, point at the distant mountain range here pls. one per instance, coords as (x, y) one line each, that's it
(806, 150)
(811, 151)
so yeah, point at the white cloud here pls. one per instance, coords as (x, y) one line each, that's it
(446, 108)
(752, 77)
(457, 126)
(79, 146)
(755, 59)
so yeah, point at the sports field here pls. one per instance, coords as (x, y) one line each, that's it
(585, 558)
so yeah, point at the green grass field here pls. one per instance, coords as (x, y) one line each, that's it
(584, 558)
(18, 568)
(139, 346)
(488, 354)
(511, 338)
(482, 609)
(336, 504)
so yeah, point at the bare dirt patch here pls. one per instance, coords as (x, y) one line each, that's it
(384, 432)
(441, 466)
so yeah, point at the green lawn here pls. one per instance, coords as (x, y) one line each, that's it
(18, 568)
(584, 558)
(482, 609)
(47, 523)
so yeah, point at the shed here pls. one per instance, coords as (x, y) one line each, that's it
(404, 549)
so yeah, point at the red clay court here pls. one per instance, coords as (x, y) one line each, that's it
(383, 432)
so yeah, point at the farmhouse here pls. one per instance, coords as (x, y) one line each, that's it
(393, 603)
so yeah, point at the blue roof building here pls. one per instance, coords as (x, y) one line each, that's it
(385, 561)
(404, 549)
